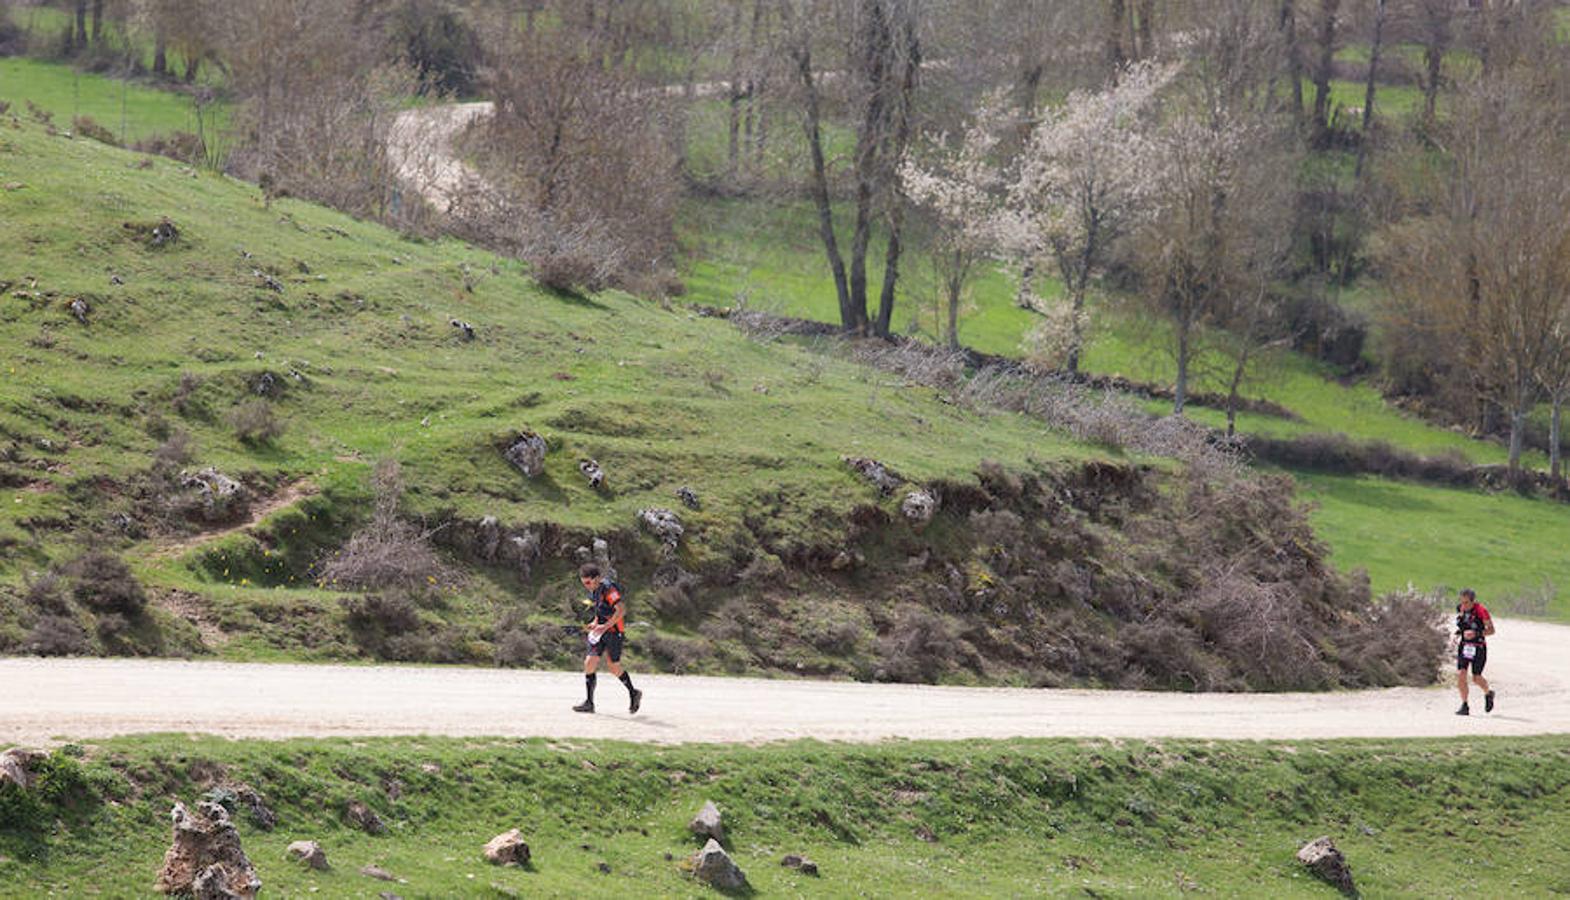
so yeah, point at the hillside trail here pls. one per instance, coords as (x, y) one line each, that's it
(291, 494)
(52, 700)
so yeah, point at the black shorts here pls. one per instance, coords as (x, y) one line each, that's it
(609, 645)
(1477, 662)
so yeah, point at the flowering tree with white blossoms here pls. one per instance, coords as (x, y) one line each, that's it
(1085, 178)
(961, 187)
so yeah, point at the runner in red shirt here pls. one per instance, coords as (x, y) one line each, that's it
(1473, 626)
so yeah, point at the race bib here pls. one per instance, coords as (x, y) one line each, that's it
(1468, 651)
(593, 639)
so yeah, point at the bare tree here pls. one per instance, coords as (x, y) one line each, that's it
(1217, 182)
(581, 175)
(882, 58)
(1325, 22)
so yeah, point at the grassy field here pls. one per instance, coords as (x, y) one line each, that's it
(1477, 816)
(1504, 546)
(130, 111)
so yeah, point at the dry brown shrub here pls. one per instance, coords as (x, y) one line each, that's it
(256, 422)
(389, 553)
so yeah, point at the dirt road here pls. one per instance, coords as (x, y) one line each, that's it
(50, 700)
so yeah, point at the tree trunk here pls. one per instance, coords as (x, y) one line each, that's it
(1327, 52)
(896, 152)
(875, 45)
(951, 332)
(1116, 58)
(734, 129)
(1368, 91)
(1147, 29)
(1180, 386)
(1027, 275)
(1076, 335)
(1554, 464)
(1235, 388)
(820, 189)
(160, 54)
(1288, 27)
(79, 42)
(192, 63)
(1517, 436)
(1433, 58)
(98, 21)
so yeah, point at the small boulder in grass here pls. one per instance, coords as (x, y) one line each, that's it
(310, 854)
(800, 863)
(378, 873)
(714, 866)
(707, 822)
(507, 849)
(1328, 863)
(364, 818)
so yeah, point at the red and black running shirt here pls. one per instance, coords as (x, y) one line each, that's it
(605, 598)
(1474, 620)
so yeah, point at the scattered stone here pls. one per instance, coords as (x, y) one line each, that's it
(389, 895)
(261, 815)
(714, 866)
(378, 873)
(205, 858)
(882, 477)
(507, 849)
(265, 384)
(919, 506)
(688, 497)
(80, 308)
(490, 538)
(527, 454)
(605, 868)
(465, 330)
(1325, 861)
(364, 818)
(268, 281)
(116, 279)
(430, 768)
(592, 471)
(526, 549)
(925, 834)
(309, 853)
(800, 863)
(707, 822)
(19, 766)
(220, 496)
(165, 232)
(665, 525)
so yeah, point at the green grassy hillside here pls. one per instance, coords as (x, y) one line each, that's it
(1478, 817)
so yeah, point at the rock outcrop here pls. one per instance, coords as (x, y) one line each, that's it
(714, 866)
(507, 849)
(1327, 863)
(707, 823)
(527, 454)
(205, 859)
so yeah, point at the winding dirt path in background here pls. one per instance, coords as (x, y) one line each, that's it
(47, 700)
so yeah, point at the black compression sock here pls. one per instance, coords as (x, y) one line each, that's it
(626, 678)
(588, 684)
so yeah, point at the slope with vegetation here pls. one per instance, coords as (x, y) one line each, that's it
(182, 321)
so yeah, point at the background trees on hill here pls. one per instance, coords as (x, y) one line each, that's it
(1485, 262)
